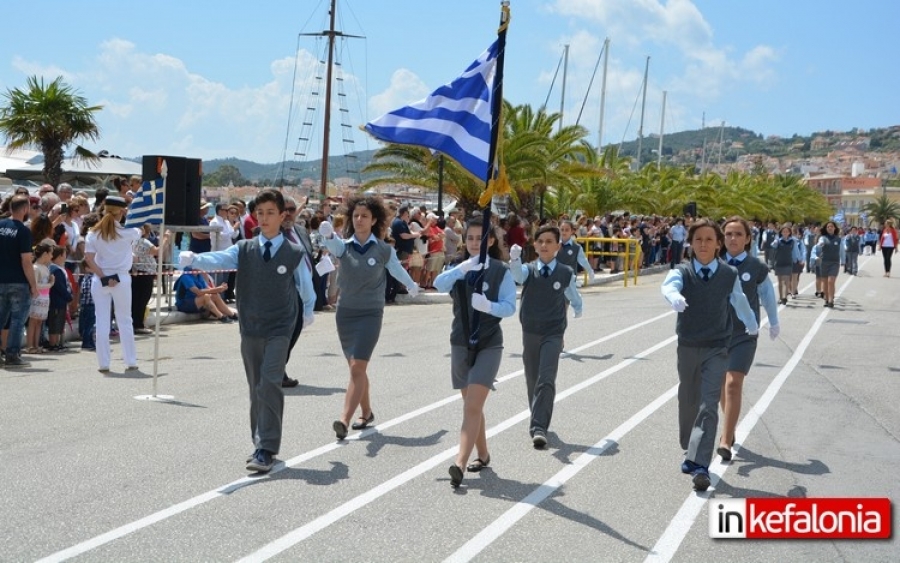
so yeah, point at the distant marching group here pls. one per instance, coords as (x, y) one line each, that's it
(717, 293)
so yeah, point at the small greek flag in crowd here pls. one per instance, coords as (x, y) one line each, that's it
(838, 217)
(863, 217)
(148, 205)
(455, 119)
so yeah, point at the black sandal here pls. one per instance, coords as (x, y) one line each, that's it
(478, 464)
(340, 429)
(456, 476)
(363, 422)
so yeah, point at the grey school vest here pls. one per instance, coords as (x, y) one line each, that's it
(489, 326)
(831, 252)
(568, 255)
(266, 294)
(544, 305)
(706, 322)
(852, 244)
(751, 272)
(363, 276)
(784, 253)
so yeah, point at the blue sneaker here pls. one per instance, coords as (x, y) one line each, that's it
(262, 462)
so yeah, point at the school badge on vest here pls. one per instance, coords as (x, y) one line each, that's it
(370, 261)
(281, 269)
(556, 285)
(745, 276)
(484, 287)
(570, 251)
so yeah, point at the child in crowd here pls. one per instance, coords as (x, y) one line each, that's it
(755, 283)
(86, 314)
(785, 253)
(40, 305)
(548, 289)
(60, 296)
(831, 253)
(799, 265)
(702, 292)
(852, 243)
(273, 272)
(364, 257)
(487, 291)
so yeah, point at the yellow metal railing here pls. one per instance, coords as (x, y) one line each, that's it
(631, 255)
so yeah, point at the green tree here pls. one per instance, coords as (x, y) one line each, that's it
(50, 116)
(225, 175)
(882, 209)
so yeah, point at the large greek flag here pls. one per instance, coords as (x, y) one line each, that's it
(148, 205)
(455, 119)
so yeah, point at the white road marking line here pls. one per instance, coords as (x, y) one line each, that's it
(302, 533)
(159, 516)
(681, 524)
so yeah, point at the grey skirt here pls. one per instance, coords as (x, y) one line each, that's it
(484, 372)
(784, 270)
(830, 269)
(741, 352)
(358, 330)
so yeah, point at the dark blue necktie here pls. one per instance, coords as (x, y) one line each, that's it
(545, 271)
(363, 248)
(735, 262)
(267, 255)
(705, 273)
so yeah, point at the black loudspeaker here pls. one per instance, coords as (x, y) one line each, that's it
(690, 209)
(183, 186)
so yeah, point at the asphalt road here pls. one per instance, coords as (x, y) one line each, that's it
(90, 473)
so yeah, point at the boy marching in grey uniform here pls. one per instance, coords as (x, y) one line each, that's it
(851, 252)
(702, 292)
(571, 253)
(276, 279)
(548, 288)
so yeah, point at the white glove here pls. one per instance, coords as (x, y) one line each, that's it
(307, 321)
(753, 332)
(472, 264)
(591, 275)
(774, 331)
(679, 304)
(577, 314)
(326, 229)
(185, 258)
(515, 252)
(413, 290)
(481, 303)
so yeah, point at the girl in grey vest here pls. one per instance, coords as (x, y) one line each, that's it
(483, 293)
(786, 252)
(832, 256)
(364, 257)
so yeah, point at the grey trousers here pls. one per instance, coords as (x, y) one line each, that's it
(701, 372)
(264, 359)
(541, 358)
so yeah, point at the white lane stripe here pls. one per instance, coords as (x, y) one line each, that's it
(499, 526)
(681, 524)
(302, 533)
(121, 531)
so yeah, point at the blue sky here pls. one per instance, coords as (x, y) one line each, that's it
(214, 79)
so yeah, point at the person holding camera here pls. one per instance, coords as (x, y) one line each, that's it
(108, 252)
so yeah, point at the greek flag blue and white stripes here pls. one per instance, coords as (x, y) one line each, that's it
(148, 205)
(455, 119)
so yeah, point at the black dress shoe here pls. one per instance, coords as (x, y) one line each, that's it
(363, 422)
(288, 382)
(456, 476)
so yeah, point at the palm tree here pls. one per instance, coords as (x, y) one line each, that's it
(52, 117)
(882, 209)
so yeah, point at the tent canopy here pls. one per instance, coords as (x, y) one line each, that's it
(80, 170)
(16, 158)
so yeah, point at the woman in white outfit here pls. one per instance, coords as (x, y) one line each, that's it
(108, 253)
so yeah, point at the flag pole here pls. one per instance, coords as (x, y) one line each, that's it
(496, 109)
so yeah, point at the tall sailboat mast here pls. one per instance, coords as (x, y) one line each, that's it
(662, 126)
(643, 107)
(562, 96)
(331, 34)
(603, 94)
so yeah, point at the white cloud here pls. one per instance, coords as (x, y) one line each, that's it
(405, 88)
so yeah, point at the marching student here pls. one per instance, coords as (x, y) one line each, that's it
(831, 253)
(798, 266)
(363, 257)
(570, 252)
(489, 290)
(785, 253)
(852, 243)
(755, 283)
(107, 250)
(275, 276)
(702, 292)
(548, 287)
